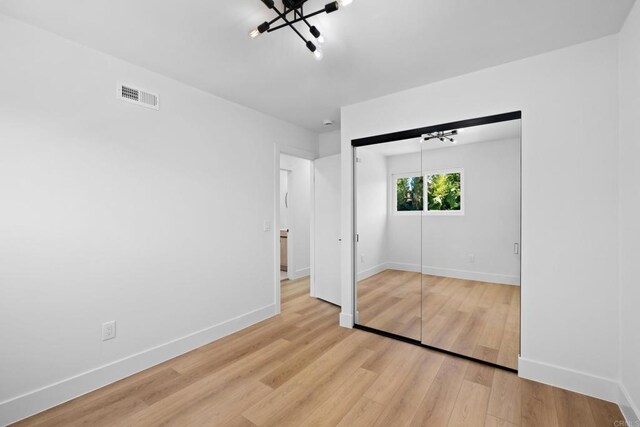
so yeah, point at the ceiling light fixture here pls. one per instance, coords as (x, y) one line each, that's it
(296, 7)
(442, 136)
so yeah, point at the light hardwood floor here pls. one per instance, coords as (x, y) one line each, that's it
(477, 319)
(301, 369)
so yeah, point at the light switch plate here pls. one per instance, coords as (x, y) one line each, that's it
(267, 225)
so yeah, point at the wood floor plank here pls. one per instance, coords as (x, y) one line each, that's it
(605, 413)
(470, 408)
(437, 405)
(538, 405)
(573, 409)
(363, 414)
(492, 421)
(506, 397)
(340, 403)
(407, 398)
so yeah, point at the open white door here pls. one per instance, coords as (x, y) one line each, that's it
(327, 229)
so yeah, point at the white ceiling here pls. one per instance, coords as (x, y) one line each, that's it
(375, 47)
(485, 133)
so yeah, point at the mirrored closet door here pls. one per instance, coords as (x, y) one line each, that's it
(388, 253)
(437, 219)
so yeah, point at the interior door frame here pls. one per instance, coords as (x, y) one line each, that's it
(412, 134)
(279, 149)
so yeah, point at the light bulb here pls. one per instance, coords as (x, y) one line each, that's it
(318, 54)
(254, 33)
(320, 39)
(344, 3)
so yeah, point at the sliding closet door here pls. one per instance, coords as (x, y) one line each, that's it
(389, 200)
(471, 242)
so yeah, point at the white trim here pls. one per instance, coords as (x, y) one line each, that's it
(402, 266)
(312, 231)
(570, 379)
(628, 407)
(456, 274)
(372, 271)
(36, 401)
(299, 274)
(276, 229)
(346, 320)
(503, 279)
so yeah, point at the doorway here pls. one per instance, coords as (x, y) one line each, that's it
(293, 232)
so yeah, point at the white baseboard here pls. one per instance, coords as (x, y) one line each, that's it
(365, 274)
(403, 267)
(346, 320)
(569, 379)
(628, 407)
(31, 403)
(457, 274)
(299, 274)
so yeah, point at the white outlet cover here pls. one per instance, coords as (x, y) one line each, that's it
(108, 330)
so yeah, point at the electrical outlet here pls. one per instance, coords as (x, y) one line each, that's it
(472, 258)
(108, 330)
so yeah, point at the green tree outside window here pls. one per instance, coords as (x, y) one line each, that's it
(410, 194)
(444, 192)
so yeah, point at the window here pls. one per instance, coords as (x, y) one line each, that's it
(409, 193)
(443, 194)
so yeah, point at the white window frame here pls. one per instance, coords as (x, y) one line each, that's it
(426, 210)
(425, 205)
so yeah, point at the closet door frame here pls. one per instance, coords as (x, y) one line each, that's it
(412, 134)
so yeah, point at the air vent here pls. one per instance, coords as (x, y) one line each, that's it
(138, 96)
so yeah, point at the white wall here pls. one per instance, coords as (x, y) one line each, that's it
(329, 143)
(629, 229)
(488, 229)
(115, 212)
(569, 104)
(299, 214)
(372, 213)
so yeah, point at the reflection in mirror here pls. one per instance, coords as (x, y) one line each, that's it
(470, 241)
(388, 211)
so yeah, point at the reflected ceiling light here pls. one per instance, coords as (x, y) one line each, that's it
(293, 13)
(442, 136)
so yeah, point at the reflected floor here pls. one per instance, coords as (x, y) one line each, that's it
(477, 319)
